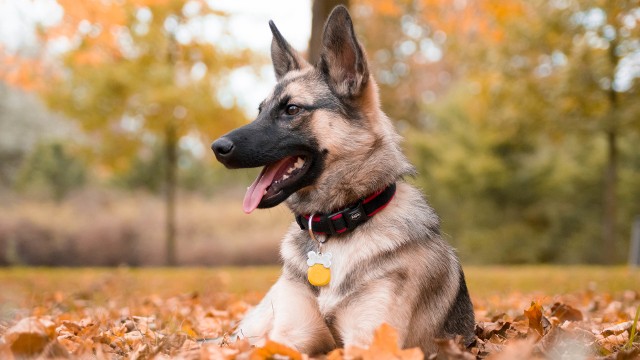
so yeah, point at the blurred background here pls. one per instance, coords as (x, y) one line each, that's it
(522, 117)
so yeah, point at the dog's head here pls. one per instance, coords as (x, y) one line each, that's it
(320, 134)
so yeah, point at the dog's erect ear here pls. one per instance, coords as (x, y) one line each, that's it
(342, 58)
(283, 56)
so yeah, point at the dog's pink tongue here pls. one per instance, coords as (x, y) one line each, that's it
(256, 190)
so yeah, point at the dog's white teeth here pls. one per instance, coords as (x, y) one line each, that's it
(285, 177)
(298, 164)
(265, 192)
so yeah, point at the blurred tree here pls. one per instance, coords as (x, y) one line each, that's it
(50, 167)
(139, 75)
(515, 80)
(559, 68)
(319, 13)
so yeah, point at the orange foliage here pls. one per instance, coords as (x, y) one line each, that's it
(94, 21)
(485, 19)
(101, 18)
(386, 8)
(24, 73)
(384, 346)
(272, 349)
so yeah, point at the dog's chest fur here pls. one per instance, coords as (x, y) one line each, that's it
(376, 250)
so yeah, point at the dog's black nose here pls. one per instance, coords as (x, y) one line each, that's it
(222, 147)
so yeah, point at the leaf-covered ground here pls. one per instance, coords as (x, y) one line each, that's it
(522, 312)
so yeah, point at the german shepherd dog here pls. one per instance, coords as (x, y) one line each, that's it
(328, 150)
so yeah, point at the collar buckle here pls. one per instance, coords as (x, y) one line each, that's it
(355, 216)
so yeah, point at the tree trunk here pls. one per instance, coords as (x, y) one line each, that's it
(171, 155)
(320, 12)
(610, 201)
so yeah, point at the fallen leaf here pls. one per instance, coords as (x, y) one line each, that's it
(384, 346)
(519, 349)
(566, 312)
(486, 330)
(452, 349)
(537, 321)
(617, 329)
(30, 336)
(271, 349)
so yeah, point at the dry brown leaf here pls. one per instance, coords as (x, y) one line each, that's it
(452, 349)
(485, 330)
(617, 329)
(566, 312)
(30, 336)
(515, 350)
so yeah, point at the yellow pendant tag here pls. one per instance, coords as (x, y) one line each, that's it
(319, 273)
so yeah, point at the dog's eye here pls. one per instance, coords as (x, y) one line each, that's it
(292, 109)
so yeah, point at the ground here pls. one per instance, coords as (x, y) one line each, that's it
(532, 311)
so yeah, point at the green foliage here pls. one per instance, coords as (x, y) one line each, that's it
(516, 196)
(50, 168)
(510, 128)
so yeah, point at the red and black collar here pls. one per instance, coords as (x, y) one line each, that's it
(351, 217)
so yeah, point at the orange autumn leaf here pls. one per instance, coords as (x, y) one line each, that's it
(187, 329)
(271, 349)
(534, 315)
(337, 354)
(385, 346)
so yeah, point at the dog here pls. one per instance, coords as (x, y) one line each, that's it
(365, 248)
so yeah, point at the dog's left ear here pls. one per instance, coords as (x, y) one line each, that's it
(342, 58)
(283, 56)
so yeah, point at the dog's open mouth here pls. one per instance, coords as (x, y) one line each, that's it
(273, 179)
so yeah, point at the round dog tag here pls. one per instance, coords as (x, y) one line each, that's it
(318, 272)
(318, 275)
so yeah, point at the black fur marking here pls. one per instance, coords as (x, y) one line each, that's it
(460, 319)
(266, 141)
